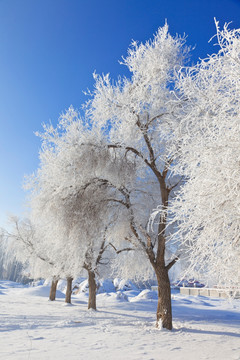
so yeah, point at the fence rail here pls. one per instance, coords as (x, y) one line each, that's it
(213, 292)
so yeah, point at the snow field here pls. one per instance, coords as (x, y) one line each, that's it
(123, 327)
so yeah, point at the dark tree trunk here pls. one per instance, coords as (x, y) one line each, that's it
(69, 290)
(92, 290)
(52, 295)
(164, 307)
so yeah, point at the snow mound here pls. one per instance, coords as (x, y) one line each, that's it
(123, 284)
(42, 291)
(103, 286)
(106, 286)
(145, 295)
(82, 287)
(118, 296)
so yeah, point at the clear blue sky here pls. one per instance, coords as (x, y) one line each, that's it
(49, 50)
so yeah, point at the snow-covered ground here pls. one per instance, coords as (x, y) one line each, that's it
(32, 328)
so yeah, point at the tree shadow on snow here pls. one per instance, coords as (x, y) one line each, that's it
(208, 332)
(123, 319)
(209, 315)
(30, 322)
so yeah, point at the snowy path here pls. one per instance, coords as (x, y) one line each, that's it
(32, 328)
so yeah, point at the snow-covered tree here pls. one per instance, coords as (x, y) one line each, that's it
(139, 118)
(208, 207)
(10, 267)
(72, 204)
(22, 242)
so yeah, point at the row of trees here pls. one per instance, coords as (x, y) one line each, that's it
(168, 135)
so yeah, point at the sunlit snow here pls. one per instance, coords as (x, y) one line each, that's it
(123, 327)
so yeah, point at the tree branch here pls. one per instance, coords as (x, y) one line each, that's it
(156, 117)
(132, 149)
(101, 251)
(170, 265)
(166, 168)
(143, 130)
(116, 200)
(175, 185)
(29, 244)
(119, 251)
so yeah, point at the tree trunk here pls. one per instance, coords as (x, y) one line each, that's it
(92, 290)
(164, 307)
(69, 290)
(52, 295)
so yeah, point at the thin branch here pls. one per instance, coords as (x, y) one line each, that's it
(119, 251)
(169, 189)
(29, 244)
(156, 117)
(129, 148)
(116, 200)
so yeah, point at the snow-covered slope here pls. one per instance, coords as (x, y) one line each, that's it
(32, 328)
